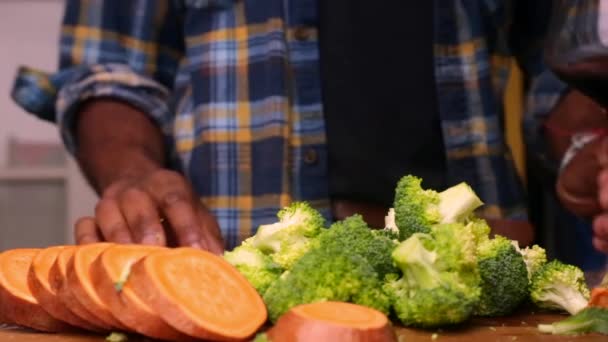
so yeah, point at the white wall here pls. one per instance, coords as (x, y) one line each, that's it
(29, 34)
(29, 31)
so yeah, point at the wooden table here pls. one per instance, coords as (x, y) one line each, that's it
(520, 328)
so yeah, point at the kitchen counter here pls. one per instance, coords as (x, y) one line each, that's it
(520, 327)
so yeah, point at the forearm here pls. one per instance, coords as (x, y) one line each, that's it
(116, 140)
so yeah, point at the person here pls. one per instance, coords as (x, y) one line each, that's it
(196, 121)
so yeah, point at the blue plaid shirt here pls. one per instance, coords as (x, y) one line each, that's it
(235, 87)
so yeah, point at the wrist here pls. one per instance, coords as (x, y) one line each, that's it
(111, 164)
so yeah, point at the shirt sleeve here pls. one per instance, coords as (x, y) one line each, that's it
(127, 50)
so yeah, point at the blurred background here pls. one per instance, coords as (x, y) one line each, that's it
(41, 189)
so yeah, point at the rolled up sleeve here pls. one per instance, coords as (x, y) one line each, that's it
(126, 50)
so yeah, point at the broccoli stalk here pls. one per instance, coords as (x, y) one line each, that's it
(417, 209)
(591, 319)
(558, 286)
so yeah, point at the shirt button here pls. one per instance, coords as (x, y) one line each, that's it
(301, 33)
(310, 157)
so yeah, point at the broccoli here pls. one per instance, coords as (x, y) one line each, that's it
(416, 209)
(480, 228)
(504, 277)
(354, 235)
(287, 240)
(331, 273)
(558, 286)
(590, 319)
(534, 257)
(256, 266)
(439, 283)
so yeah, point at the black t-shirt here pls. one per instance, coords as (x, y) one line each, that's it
(379, 97)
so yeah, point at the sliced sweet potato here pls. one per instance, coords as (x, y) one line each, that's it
(198, 293)
(58, 281)
(109, 273)
(17, 303)
(39, 284)
(81, 285)
(599, 297)
(332, 321)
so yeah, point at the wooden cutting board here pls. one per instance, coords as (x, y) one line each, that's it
(520, 327)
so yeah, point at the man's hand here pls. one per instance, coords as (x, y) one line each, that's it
(122, 154)
(132, 210)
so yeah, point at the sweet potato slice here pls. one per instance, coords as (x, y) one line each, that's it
(599, 297)
(109, 274)
(17, 303)
(58, 281)
(199, 294)
(39, 284)
(332, 321)
(81, 285)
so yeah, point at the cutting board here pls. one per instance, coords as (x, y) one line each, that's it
(520, 327)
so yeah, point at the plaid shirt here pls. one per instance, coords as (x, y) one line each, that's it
(235, 87)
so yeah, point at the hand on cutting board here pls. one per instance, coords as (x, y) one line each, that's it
(159, 208)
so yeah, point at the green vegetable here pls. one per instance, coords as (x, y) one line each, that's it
(535, 257)
(331, 273)
(504, 277)
(558, 286)
(591, 319)
(290, 238)
(117, 337)
(480, 228)
(354, 235)
(261, 337)
(417, 209)
(256, 266)
(439, 284)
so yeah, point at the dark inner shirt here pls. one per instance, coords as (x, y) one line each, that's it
(379, 97)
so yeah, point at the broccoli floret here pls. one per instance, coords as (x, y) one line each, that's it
(354, 235)
(558, 286)
(287, 240)
(257, 267)
(534, 257)
(326, 274)
(504, 277)
(417, 209)
(480, 228)
(589, 320)
(261, 337)
(437, 285)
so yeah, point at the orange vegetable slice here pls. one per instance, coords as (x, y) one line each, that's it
(59, 284)
(199, 294)
(39, 284)
(332, 321)
(81, 285)
(109, 273)
(17, 303)
(599, 297)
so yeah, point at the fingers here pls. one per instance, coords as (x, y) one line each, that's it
(212, 237)
(600, 233)
(111, 222)
(602, 185)
(142, 217)
(86, 231)
(178, 208)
